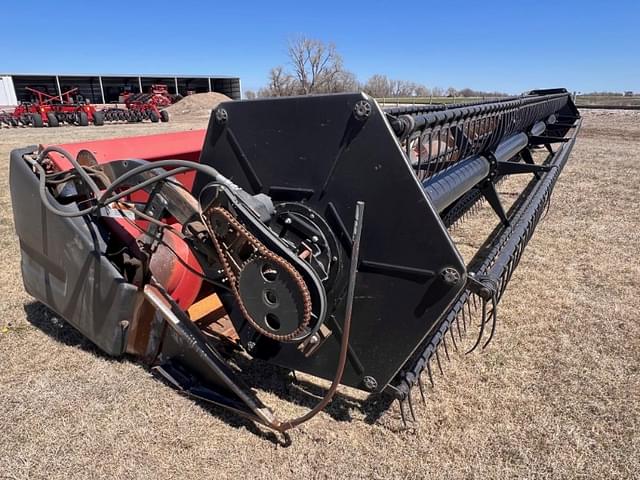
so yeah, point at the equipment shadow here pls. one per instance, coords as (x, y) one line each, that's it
(256, 374)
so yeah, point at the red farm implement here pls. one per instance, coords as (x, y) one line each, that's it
(139, 107)
(135, 112)
(68, 108)
(52, 110)
(158, 95)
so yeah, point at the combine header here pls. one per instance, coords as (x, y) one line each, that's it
(307, 232)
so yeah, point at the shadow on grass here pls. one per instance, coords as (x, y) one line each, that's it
(46, 320)
(255, 373)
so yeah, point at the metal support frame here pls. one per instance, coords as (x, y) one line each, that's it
(59, 89)
(101, 89)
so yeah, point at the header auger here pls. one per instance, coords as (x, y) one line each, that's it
(306, 232)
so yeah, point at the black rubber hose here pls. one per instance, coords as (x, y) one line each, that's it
(84, 175)
(180, 166)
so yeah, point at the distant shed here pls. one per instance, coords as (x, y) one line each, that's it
(106, 88)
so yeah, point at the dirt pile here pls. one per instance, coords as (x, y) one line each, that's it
(197, 105)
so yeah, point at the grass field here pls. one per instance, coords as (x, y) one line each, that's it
(556, 395)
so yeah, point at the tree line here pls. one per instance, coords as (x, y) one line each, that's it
(317, 67)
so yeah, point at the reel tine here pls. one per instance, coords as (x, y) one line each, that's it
(482, 324)
(446, 350)
(402, 415)
(464, 320)
(453, 337)
(438, 359)
(458, 327)
(433, 385)
(421, 387)
(413, 415)
(494, 319)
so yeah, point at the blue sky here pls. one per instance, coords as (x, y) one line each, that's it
(510, 46)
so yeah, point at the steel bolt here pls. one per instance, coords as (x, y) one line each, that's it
(314, 239)
(287, 221)
(362, 110)
(451, 276)
(314, 339)
(370, 383)
(251, 345)
(221, 116)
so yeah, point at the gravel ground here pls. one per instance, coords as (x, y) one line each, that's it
(556, 395)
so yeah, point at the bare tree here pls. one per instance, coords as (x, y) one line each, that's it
(381, 86)
(281, 84)
(316, 68)
(342, 81)
(378, 86)
(422, 91)
(250, 94)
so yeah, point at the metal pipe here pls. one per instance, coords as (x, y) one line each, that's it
(539, 128)
(447, 186)
(510, 147)
(101, 90)
(59, 89)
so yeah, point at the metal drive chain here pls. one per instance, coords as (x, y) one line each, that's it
(263, 252)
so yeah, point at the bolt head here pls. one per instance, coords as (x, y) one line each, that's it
(362, 110)
(451, 276)
(221, 116)
(370, 383)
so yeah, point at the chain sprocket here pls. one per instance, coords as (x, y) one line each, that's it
(290, 280)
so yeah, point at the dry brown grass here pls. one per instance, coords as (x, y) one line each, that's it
(556, 394)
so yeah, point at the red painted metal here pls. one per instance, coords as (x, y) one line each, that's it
(158, 96)
(185, 145)
(180, 281)
(64, 106)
